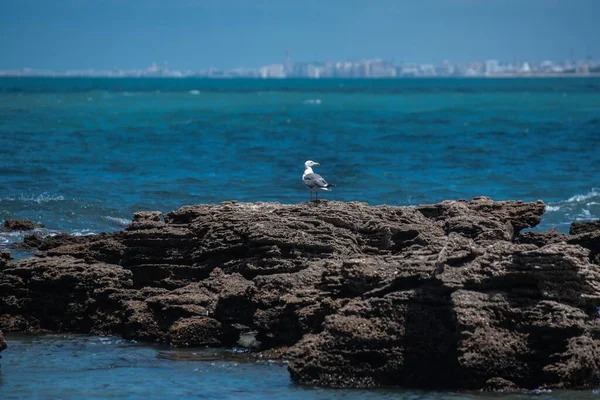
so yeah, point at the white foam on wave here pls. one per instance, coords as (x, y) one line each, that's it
(579, 207)
(577, 201)
(582, 197)
(194, 92)
(120, 221)
(312, 101)
(41, 198)
(82, 232)
(584, 215)
(44, 198)
(7, 238)
(14, 233)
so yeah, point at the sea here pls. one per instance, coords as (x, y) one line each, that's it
(81, 155)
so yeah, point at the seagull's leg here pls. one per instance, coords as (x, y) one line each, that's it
(317, 193)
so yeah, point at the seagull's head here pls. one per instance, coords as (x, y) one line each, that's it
(310, 164)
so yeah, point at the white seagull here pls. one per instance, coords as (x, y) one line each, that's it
(314, 181)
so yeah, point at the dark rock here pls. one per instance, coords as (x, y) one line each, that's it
(4, 258)
(519, 214)
(195, 331)
(509, 310)
(3, 344)
(12, 225)
(354, 295)
(104, 249)
(541, 239)
(498, 384)
(150, 216)
(56, 293)
(580, 227)
(586, 234)
(47, 242)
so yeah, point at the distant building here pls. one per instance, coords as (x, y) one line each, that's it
(315, 72)
(408, 70)
(584, 69)
(525, 68)
(381, 69)
(427, 70)
(492, 67)
(272, 71)
(445, 69)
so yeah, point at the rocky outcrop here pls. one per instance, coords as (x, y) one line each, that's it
(587, 234)
(541, 239)
(580, 227)
(11, 225)
(449, 295)
(3, 344)
(4, 257)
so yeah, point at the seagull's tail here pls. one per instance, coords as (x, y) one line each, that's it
(328, 187)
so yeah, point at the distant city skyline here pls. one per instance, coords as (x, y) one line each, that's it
(365, 68)
(227, 34)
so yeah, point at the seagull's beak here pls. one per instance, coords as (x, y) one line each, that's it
(317, 163)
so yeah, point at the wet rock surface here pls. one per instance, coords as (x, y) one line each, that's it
(3, 344)
(587, 234)
(449, 295)
(12, 225)
(4, 257)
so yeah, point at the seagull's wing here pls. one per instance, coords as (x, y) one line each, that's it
(313, 181)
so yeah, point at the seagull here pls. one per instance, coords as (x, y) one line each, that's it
(314, 181)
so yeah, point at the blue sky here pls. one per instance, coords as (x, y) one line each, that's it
(62, 34)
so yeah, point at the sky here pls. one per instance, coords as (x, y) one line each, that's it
(197, 34)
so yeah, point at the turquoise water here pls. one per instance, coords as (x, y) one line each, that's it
(82, 367)
(81, 155)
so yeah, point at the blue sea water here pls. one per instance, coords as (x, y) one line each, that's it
(81, 155)
(48, 367)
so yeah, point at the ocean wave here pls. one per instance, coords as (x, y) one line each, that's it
(11, 237)
(584, 215)
(82, 232)
(194, 92)
(312, 101)
(13, 234)
(579, 207)
(41, 198)
(582, 197)
(588, 199)
(119, 221)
